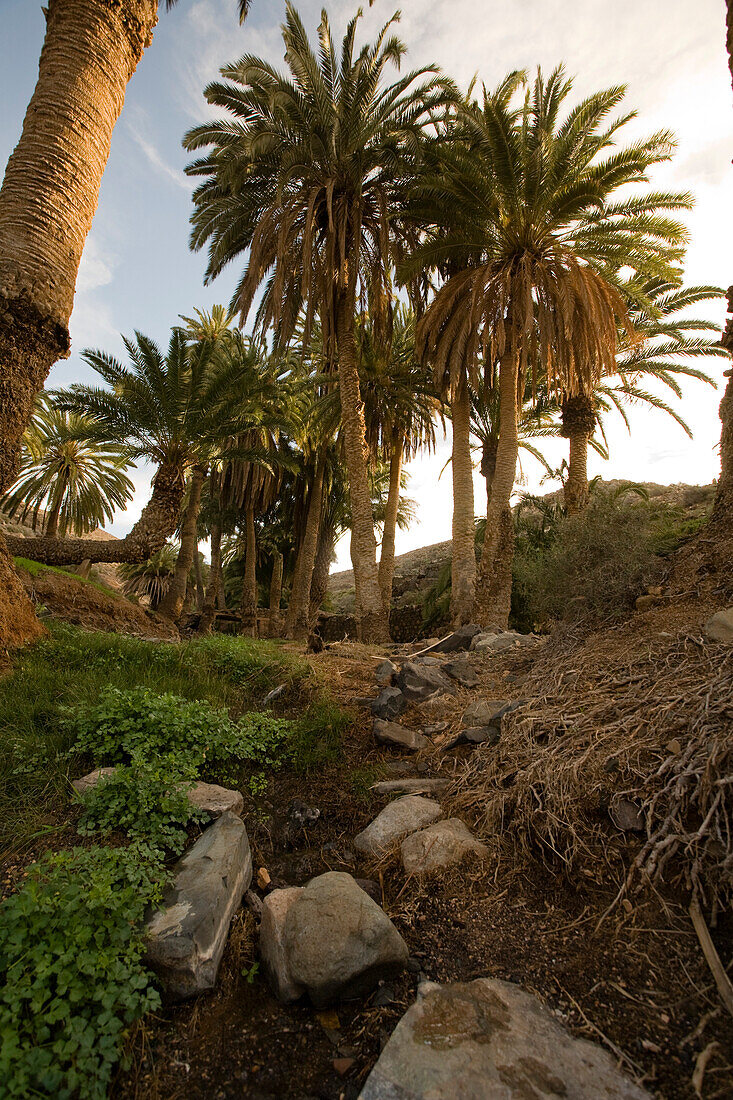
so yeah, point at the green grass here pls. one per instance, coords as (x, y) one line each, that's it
(71, 668)
(35, 568)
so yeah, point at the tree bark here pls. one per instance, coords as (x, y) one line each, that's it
(463, 568)
(371, 615)
(494, 587)
(172, 606)
(155, 526)
(723, 506)
(488, 466)
(208, 613)
(575, 492)
(276, 592)
(296, 623)
(249, 581)
(199, 574)
(321, 570)
(386, 559)
(52, 517)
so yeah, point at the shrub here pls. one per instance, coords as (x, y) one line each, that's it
(71, 972)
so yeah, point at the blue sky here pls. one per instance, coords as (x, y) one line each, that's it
(137, 270)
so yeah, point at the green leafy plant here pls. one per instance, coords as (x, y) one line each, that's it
(72, 977)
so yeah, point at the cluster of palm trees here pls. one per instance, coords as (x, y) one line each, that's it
(409, 252)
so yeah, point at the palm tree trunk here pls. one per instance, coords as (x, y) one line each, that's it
(208, 612)
(494, 587)
(371, 615)
(175, 597)
(386, 560)
(156, 524)
(52, 517)
(198, 571)
(575, 492)
(296, 623)
(488, 465)
(249, 582)
(723, 507)
(463, 568)
(276, 593)
(321, 570)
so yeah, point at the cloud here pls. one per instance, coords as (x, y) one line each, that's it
(176, 176)
(96, 267)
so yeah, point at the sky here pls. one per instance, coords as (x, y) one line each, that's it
(137, 271)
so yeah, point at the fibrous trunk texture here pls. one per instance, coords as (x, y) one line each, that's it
(488, 465)
(296, 623)
(463, 568)
(18, 622)
(199, 574)
(723, 507)
(276, 592)
(371, 615)
(494, 586)
(175, 597)
(321, 570)
(386, 559)
(249, 582)
(156, 524)
(578, 424)
(212, 590)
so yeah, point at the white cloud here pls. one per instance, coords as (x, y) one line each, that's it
(135, 128)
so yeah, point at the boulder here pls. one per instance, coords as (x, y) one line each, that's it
(275, 909)
(459, 640)
(404, 815)
(492, 642)
(338, 942)
(475, 735)
(461, 671)
(385, 673)
(489, 1038)
(719, 627)
(187, 934)
(216, 800)
(88, 782)
(389, 704)
(421, 682)
(390, 733)
(487, 712)
(411, 786)
(438, 847)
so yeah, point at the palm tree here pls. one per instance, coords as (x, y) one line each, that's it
(77, 484)
(150, 578)
(305, 175)
(47, 201)
(526, 202)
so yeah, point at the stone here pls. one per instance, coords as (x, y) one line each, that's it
(338, 942)
(187, 933)
(626, 815)
(438, 847)
(719, 627)
(421, 682)
(89, 781)
(389, 704)
(461, 671)
(424, 785)
(459, 640)
(390, 733)
(492, 642)
(404, 815)
(300, 816)
(645, 603)
(275, 909)
(486, 712)
(489, 1038)
(435, 728)
(475, 735)
(385, 673)
(216, 800)
(370, 887)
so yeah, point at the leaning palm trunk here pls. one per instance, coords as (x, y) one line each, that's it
(494, 586)
(276, 592)
(463, 568)
(488, 466)
(199, 574)
(578, 424)
(371, 615)
(249, 583)
(321, 570)
(296, 623)
(155, 526)
(175, 597)
(386, 560)
(208, 613)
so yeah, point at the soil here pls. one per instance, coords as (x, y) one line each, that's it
(636, 982)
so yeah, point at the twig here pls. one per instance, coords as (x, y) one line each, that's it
(701, 1065)
(712, 958)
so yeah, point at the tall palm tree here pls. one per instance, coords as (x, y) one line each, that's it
(150, 578)
(77, 484)
(529, 206)
(304, 175)
(47, 202)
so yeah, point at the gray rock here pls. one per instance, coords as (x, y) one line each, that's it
(275, 966)
(187, 934)
(626, 815)
(300, 816)
(338, 942)
(461, 671)
(404, 815)
(439, 846)
(216, 800)
(475, 735)
(492, 642)
(459, 640)
(719, 627)
(390, 733)
(89, 781)
(370, 887)
(411, 786)
(389, 704)
(385, 673)
(421, 682)
(490, 1040)
(487, 712)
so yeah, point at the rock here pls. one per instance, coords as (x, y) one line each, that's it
(461, 671)
(399, 767)
(645, 603)
(187, 934)
(436, 728)
(385, 673)
(404, 815)
(439, 846)
(719, 627)
(389, 704)
(89, 781)
(490, 1039)
(370, 887)
(487, 712)
(626, 815)
(275, 909)
(301, 816)
(459, 640)
(253, 903)
(390, 733)
(492, 642)
(216, 800)
(273, 695)
(411, 786)
(475, 735)
(421, 682)
(338, 942)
